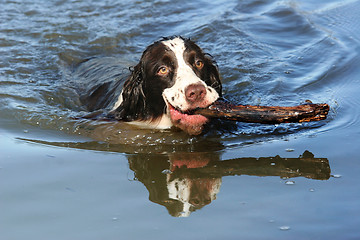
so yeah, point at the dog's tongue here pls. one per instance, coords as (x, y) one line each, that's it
(192, 124)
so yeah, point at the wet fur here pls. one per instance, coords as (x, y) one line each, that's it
(142, 91)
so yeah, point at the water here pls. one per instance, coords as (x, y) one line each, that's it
(62, 178)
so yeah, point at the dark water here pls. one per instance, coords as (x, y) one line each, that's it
(62, 178)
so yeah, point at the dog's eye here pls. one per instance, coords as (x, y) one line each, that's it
(163, 70)
(199, 64)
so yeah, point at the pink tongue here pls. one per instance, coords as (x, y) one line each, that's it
(185, 118)
(192, 124)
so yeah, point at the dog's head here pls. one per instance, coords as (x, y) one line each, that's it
(173, 77)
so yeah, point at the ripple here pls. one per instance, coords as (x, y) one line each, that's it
(285, 228)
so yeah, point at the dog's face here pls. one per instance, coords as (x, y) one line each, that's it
(176, 77)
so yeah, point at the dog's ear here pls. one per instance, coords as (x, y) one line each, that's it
(133, 103)
(214, 75)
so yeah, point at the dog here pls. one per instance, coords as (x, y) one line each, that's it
(173, 77)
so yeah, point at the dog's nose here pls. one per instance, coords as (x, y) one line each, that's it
(195, 93)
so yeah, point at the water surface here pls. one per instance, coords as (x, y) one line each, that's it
(62, 178)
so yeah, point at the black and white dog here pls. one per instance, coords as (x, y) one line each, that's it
(174, 77)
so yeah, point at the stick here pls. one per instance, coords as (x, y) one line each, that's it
(265, 114)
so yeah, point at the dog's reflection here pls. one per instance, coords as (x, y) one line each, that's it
(170, 183)
(186, 179)
(185, 182)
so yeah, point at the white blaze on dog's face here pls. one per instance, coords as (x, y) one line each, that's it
(185, 78)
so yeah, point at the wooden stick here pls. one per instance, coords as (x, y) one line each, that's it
(265, 114)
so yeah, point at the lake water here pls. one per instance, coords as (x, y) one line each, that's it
(62, 178)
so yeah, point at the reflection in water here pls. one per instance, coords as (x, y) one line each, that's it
(185, 181)
(174, 181)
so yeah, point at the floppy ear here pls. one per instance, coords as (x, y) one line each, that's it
(133, 104)
(214, 75)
